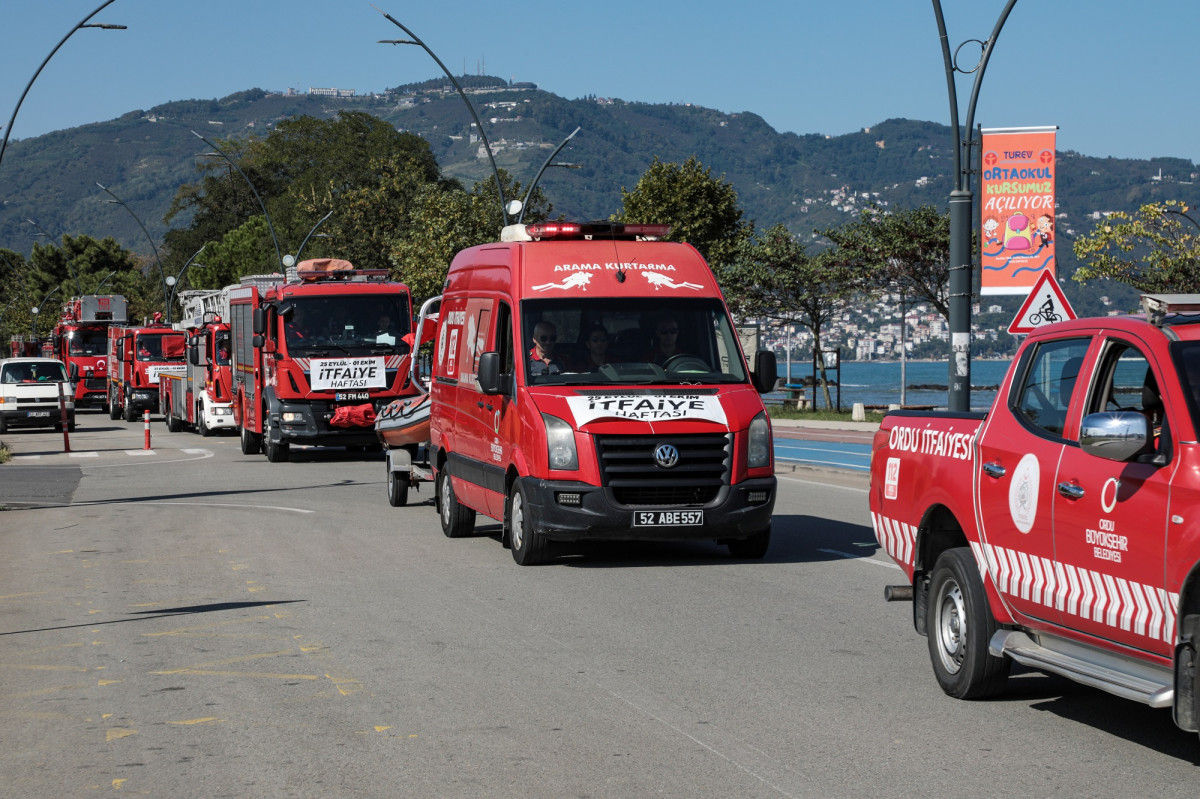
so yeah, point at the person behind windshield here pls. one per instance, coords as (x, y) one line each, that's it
(148, 348)
(385, 331)
(295, 327)
(542, 360)
(666, 341)
(595, 340)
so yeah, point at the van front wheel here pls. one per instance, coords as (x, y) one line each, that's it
(529, 547)
(457, 520)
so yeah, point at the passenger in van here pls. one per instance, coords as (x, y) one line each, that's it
(666, 341)
(595, 340)
(542, 360)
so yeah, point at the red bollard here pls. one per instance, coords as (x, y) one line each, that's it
(146, 416)
(62, 418)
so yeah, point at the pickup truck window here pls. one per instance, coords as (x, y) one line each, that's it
(1127, 383)
(1045, 391)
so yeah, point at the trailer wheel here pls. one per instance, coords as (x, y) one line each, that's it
(277, 451)
(457, 520)
(529, 547)
(752, 548)
(960, 624)
(397, 488)
(251, 442)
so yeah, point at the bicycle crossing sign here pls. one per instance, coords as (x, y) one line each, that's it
(1046, 304)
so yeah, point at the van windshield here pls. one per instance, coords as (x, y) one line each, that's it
(643, 341)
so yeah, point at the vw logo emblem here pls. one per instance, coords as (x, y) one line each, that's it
(666, 456)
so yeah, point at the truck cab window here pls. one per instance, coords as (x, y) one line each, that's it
(1044, 395)
(1127, 383)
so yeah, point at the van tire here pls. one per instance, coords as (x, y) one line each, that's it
(751, 548)
(529, 547)
(457, 520)
(3, 425)
(960, 624)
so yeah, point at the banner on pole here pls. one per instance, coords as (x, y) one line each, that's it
(1016, 208)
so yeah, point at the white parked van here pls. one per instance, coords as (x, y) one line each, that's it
(29, 391)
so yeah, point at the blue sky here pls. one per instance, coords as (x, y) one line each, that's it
(1117, 78)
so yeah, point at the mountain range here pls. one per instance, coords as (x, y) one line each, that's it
(807, 182)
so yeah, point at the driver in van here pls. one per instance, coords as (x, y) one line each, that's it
(666, 341)
(542, 360)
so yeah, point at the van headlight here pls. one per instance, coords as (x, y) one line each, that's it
(560, 444)
(758, 452)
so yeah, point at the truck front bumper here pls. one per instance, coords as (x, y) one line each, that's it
(144, 398)
(41, 416)
(573, 511)
(308, 423)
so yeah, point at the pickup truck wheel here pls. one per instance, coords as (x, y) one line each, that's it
(397, 488)
(529, 547)
(277, 451)
(251, 442)
(752, 548)
(457, 520)
(959, 625)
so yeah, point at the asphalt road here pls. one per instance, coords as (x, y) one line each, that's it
(192, 622)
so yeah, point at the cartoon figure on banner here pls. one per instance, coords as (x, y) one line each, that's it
(1044, 226)
(989, 230)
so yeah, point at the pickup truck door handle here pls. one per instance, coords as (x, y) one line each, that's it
(1071, 490)
(993, 470)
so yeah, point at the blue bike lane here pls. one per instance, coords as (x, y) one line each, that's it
(829, 445)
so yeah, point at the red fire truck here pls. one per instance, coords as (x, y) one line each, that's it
(199, 397)
(136, 358)
(80, 340)
(316, 357)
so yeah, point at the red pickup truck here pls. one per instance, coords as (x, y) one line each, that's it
(1056, 530)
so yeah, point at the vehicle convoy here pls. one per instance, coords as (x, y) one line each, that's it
(35, 392)
(587, 385)
(1061, 529)
(317, 356)
(137, 355)
(201, 396)
(80, 340)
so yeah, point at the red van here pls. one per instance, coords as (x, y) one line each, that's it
(588, 384)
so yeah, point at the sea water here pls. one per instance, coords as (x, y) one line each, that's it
(878, 382)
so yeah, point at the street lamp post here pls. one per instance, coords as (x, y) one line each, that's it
(83, 23)
(538, 176)
(261, 204)
(35, 310)
(294, 259)
(107, 278)
(51, 239)
(173, 282)
(487, 146)
(161, 272)
(961, 210)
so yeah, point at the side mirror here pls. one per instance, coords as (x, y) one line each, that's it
(766, 371)
(127, 349)
(73, 372)
(256, 342)
(193, 353)
(1120, 436)
(260, 322)
(489, 373)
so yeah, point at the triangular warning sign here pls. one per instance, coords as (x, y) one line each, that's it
(1046, 304)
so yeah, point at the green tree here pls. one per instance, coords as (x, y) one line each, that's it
(701, 210)
(905, 249)
(774, 277)
(1155, 251)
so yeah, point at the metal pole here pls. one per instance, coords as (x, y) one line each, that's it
(181, 271)
(538, 176)
(81, 24)
(487, 146)
(961, 216)
(261, 204)
(161, 272)
(310, 233)
(70, 271)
